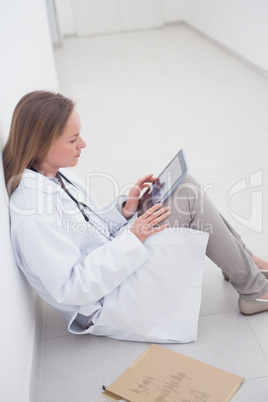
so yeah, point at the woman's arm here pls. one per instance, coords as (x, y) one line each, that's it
(46, 252)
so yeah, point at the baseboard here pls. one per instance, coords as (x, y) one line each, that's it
(38, 350)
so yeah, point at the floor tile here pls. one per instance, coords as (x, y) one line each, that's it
(252, 390)
(227, 341)
(218, 295)
(56, 324)
(259, 326)
(76, 367)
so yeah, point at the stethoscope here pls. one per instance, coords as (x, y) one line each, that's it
(80, 205)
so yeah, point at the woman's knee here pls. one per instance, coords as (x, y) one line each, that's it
(188, 179)
(186, 198)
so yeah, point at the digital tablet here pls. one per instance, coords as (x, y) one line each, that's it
(167, 181)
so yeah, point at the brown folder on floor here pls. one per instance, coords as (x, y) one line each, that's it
(161, 375)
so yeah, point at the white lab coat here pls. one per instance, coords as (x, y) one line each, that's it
(147, 291)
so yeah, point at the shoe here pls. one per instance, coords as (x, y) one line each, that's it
(226, 277)
(264, 272)
(251, 307)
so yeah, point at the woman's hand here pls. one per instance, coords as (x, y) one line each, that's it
(133, 198)
(143, 226)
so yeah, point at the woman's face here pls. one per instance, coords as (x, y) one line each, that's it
(67, 147)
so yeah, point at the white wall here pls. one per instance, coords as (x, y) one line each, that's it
(172, 10)
(27, 64)
(91, 17)
(240, 25)
(65, 16)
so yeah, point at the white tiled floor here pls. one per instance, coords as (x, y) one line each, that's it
(141, 97)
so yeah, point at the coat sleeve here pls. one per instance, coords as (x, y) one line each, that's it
(112, 214)
(45, 251)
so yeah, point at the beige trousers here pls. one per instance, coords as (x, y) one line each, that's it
(191, 207)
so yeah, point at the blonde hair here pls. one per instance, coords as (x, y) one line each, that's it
(38, 120)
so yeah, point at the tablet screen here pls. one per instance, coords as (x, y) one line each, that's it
(167, 181)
